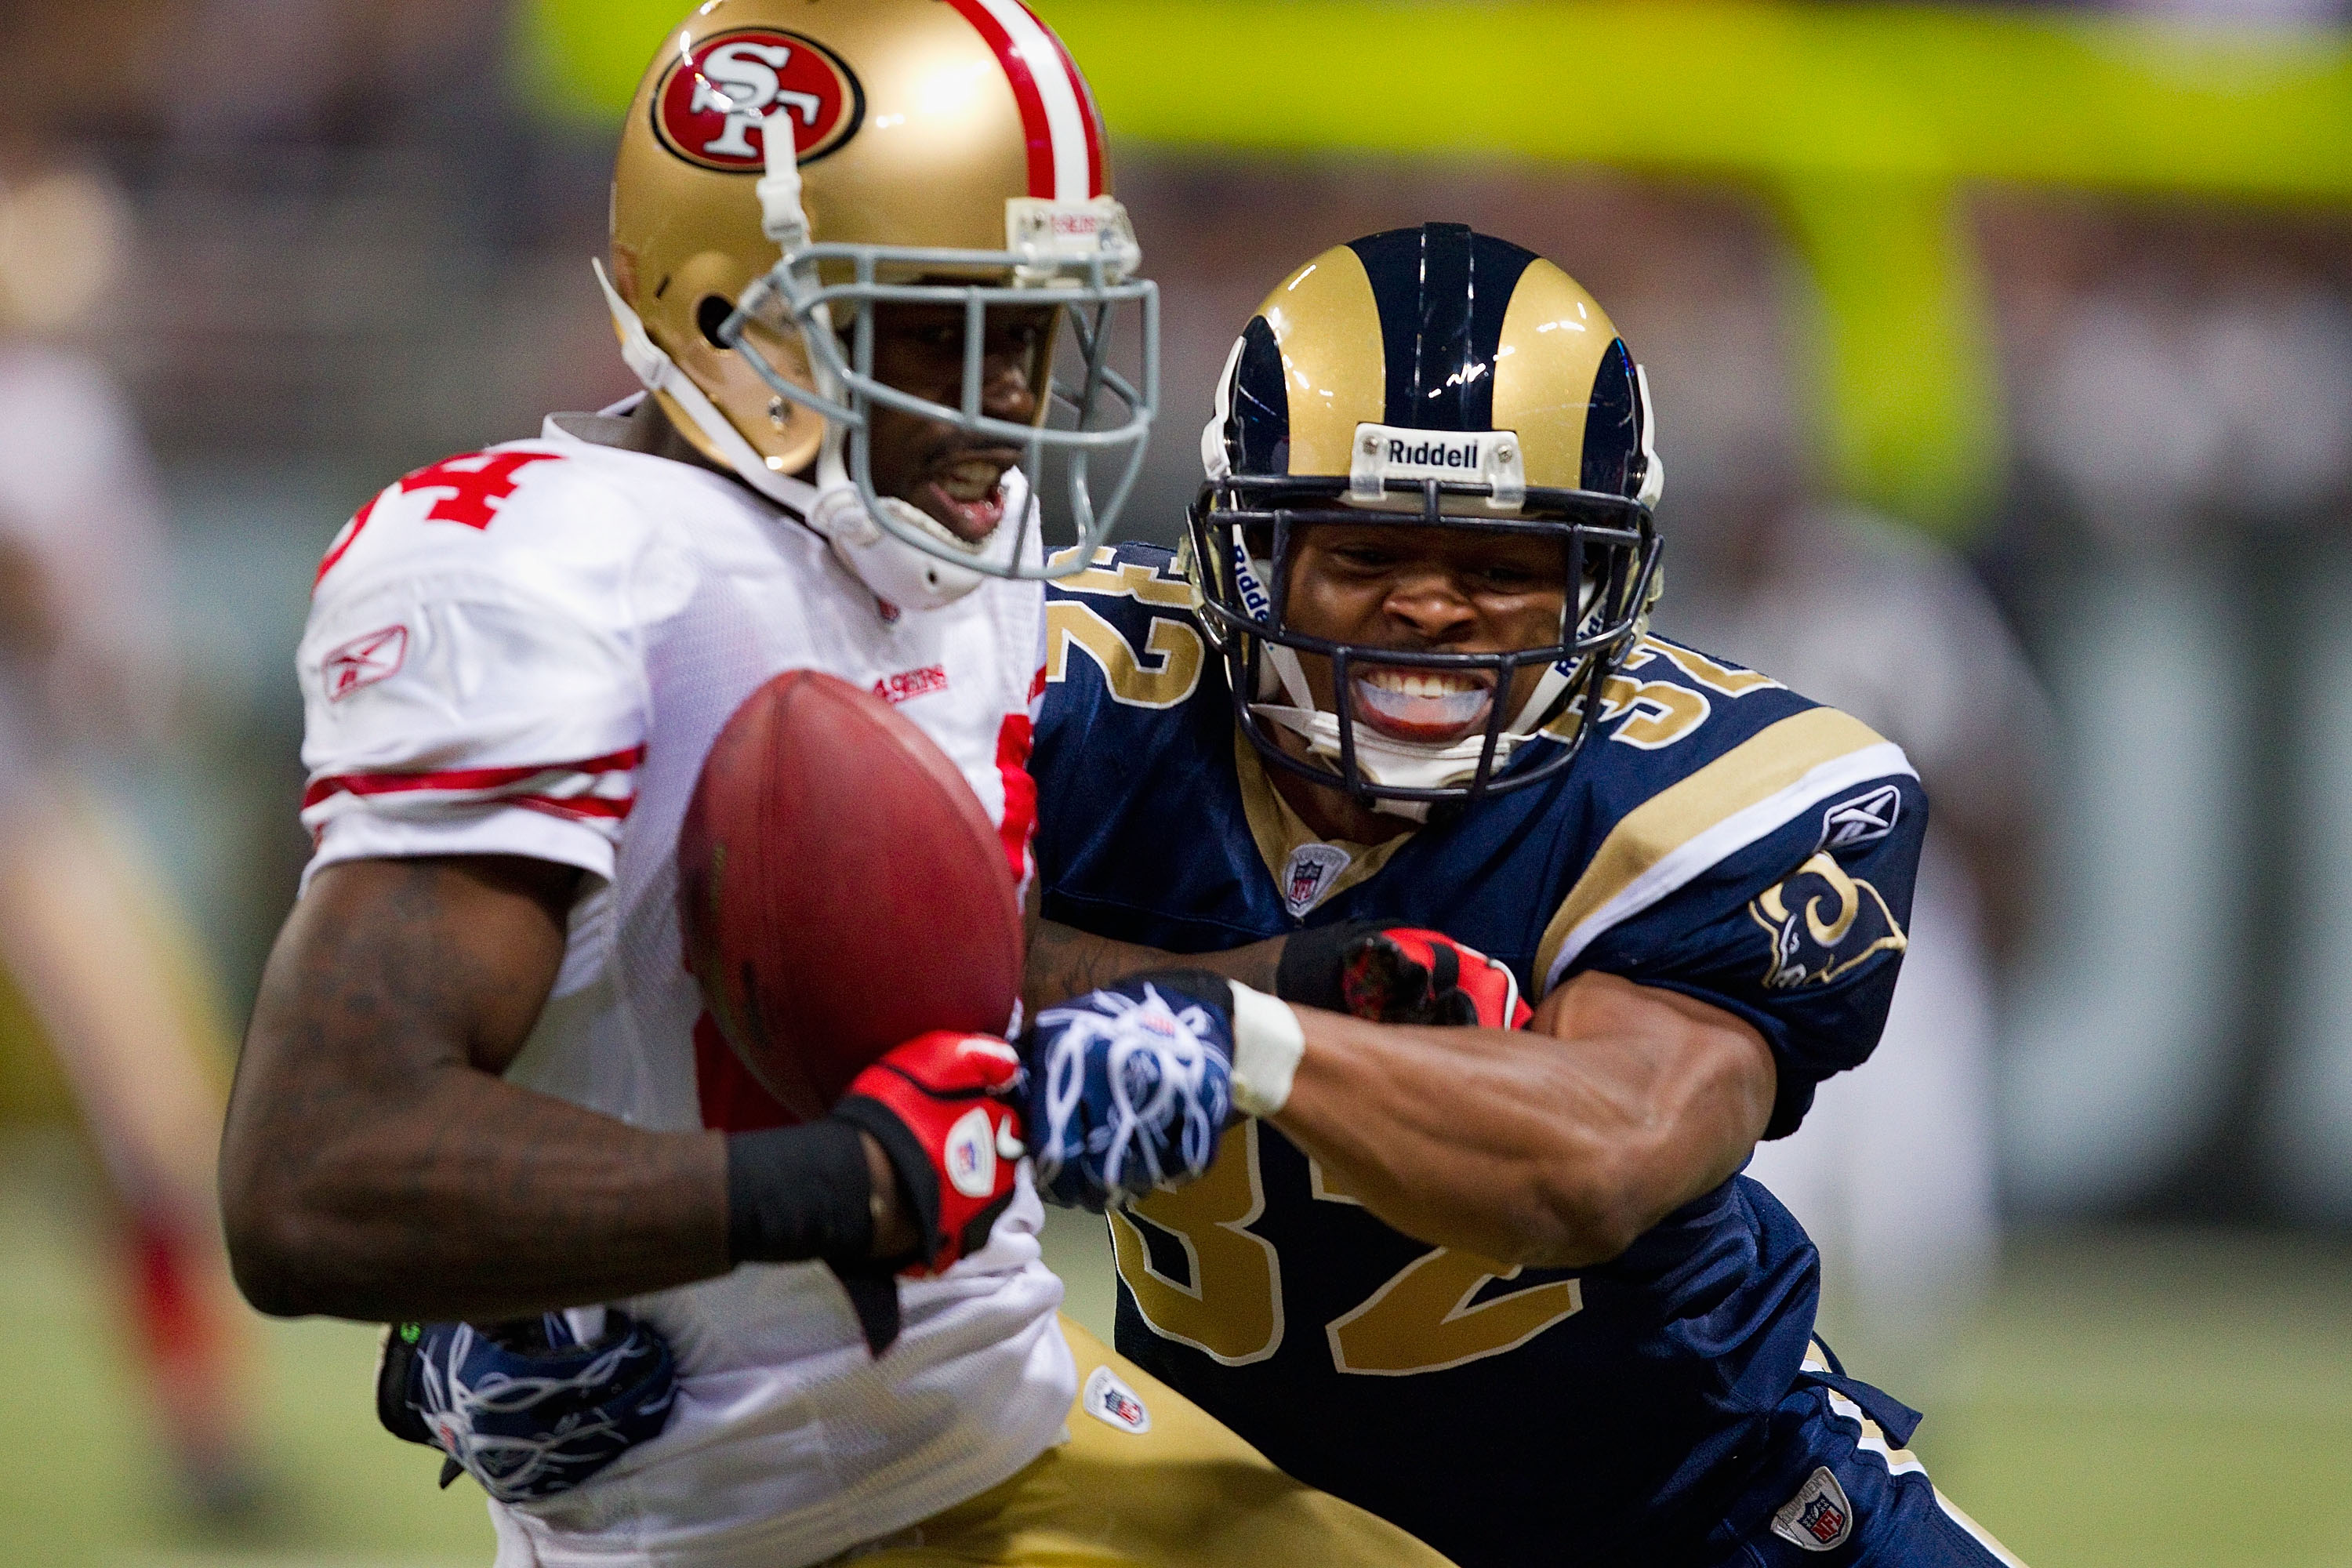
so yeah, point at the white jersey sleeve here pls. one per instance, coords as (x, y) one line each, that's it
(472, 677)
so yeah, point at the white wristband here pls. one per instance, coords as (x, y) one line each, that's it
(1268, 1043)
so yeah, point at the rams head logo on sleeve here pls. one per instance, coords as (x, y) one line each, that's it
(1823, 924)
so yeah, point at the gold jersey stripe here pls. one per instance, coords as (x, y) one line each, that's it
(1750, 773)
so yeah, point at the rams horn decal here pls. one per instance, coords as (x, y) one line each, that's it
(1823, 924)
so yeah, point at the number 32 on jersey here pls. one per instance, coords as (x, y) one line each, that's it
(1425, 1318)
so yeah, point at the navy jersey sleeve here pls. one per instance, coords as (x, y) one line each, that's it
(1801, 933)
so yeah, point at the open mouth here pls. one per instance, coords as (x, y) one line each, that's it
(1433, 707)
(967, 493)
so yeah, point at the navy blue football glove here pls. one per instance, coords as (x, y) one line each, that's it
(526, 1408)
(1130, 1086)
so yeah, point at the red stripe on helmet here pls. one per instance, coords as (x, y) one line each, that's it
(1035, 127)
(1097, 165)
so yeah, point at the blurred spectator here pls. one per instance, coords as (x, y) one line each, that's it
(1892, 1172)
(2187, 438)
(87, 932)
(2201, 381)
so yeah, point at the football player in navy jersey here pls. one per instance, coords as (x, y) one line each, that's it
(1503, 1287)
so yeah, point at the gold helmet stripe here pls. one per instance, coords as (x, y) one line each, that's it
(1554, 337)
(1328, 326)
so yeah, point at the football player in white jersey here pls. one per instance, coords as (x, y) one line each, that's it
(479, 1083)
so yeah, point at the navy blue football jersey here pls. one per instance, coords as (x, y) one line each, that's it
(1718, 834)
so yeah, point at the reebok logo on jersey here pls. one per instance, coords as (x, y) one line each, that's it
(1113, 1404)
(1818, 1517)
(364, 660)
(910, 684)
(1864, 818)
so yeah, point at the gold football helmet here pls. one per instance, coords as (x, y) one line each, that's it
(1431, 377)
(785, 168)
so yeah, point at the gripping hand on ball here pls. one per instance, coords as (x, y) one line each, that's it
(943, 1107)
(1400, 974)
(1130, 1086)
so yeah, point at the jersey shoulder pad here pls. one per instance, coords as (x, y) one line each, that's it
(1124, 631)
(1778, 770)
(538, 510)
(478, 611)
(1774, 879)
(1668, 698)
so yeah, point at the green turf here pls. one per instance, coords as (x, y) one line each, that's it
(83, 1483)
(2144, 1399)
(2157, 1398)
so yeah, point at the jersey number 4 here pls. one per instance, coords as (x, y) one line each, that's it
(1426, 1317)
(471, 486)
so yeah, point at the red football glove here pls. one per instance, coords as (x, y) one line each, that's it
(944, 1108)
(1398, 975)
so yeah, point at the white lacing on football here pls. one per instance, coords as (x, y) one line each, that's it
(1154, 1066)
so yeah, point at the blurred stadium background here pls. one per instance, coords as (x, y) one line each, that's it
(2004, 361)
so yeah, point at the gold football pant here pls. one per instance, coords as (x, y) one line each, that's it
(1186, 1493)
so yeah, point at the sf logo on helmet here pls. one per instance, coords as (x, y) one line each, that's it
(715, 102)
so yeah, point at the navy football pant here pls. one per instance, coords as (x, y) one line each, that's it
(1848, 1494)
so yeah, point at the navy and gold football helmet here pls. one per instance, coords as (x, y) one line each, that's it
(1428, 378)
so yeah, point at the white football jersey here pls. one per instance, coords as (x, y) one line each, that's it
(529, 651)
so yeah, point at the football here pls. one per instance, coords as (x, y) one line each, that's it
(840, 889)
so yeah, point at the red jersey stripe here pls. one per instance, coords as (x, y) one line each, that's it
(463, 779)
(1013, 744)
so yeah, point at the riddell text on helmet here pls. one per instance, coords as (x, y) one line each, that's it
(1435, 455)
(715, 104)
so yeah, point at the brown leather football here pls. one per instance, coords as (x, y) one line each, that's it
(840, 889)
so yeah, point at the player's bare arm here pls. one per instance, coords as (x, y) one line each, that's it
(1064, 962)
(375, 1166)
(1553, 1146)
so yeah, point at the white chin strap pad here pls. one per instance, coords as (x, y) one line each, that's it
(1402, 764)
(895, 571)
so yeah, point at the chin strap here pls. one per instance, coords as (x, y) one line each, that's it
(1404, 764)
(895, 570)
(659, 373)
(1653, 472)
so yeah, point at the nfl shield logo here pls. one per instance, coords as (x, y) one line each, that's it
(1112, 1403)
(1818, 1517)
(1312, 869)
